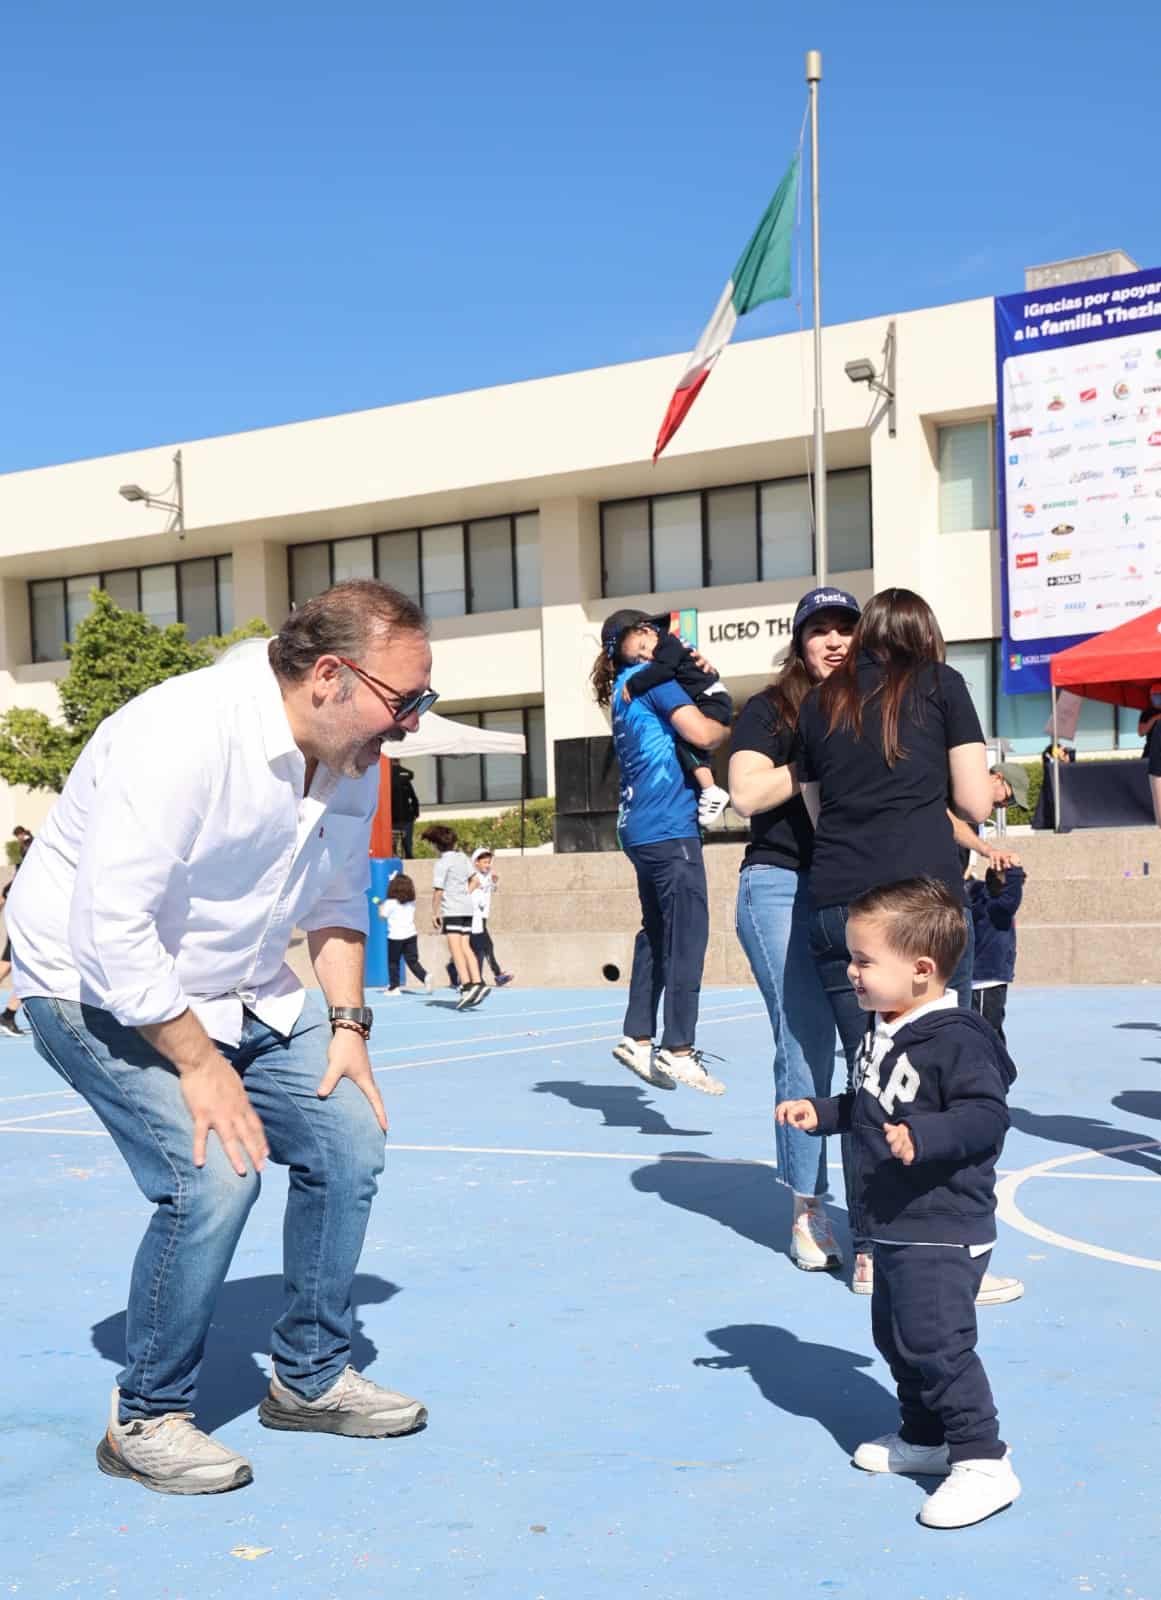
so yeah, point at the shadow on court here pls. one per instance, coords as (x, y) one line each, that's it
(235, 1372)
(1139, 1102)
(621, 1107)
(1089, 1133)
(808, 1380)
(743, 1196)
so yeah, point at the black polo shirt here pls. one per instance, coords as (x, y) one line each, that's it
(1152, 751)
(879, 824)
(782, 837)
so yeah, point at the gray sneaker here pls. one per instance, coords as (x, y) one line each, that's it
(169, 1455)
(353, 1406)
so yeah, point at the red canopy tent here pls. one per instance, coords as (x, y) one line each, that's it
(1117, 667)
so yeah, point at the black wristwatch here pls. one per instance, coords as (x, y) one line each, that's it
(360, 1017)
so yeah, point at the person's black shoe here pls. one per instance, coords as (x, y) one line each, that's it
(8, 1025)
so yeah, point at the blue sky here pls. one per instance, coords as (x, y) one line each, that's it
(233, 215)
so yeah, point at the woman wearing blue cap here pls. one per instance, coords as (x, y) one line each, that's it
(773, 916)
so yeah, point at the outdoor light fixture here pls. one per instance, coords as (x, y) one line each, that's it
(863, 370)
(176, 507)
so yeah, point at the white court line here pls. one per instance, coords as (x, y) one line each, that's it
(44, 1094)
(529, 1049)
(46, 1116)
(522, 1033)
(1007, 1208)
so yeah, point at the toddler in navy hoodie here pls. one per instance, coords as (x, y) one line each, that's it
(927, 1117)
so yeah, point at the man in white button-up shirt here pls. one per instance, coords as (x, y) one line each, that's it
(150, 923)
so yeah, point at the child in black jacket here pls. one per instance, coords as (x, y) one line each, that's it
(927, 1117)
(993, 905)
(672, 661)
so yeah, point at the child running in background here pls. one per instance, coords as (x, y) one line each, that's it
(927, 1118)
(993, 905)
(671, 661)
(398, 912)
(487, 883)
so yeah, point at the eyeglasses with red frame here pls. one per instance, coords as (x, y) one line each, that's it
(408, 705)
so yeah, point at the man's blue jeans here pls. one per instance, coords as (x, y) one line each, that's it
(669, 954)
(773, 921)
(334, 1149)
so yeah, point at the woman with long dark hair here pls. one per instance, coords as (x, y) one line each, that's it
(891, 739)
(773, 912)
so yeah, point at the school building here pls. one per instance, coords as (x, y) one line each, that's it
(519, 516)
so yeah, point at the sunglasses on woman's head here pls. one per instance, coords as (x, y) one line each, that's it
(408, 705)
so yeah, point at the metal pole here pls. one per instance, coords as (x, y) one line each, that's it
(1055, 768)
(814, 78)
(179, 497)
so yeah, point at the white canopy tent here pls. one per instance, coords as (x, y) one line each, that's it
(440, 736)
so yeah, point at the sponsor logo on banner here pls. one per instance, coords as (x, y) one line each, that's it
(1107, 495)
(1019, 433)
(1055, 404)
(1088, 394)
(1060, 555)
(1088, 475)
(1131, 605)
(1059, 505)
(1083, 426)
(1116, 416)
(1028, 510)
(1076, 605)
(1118, 444)
(1063, 529)
(1124, 472)
(1049, 427)
(1027, 611)
(1155, 439)
(1099, 577)
(1058, 450)
(1027, 533)
(1152, 388)
(1017, 406)
(1108, 605)
(1028, 558)
(1063, 578)
(1121, 391)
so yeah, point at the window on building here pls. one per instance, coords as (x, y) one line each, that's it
(732, 535)
(484, 780)
(625, 561)
(492, 564)
(975, 660)
(967, 495)
(199, 593)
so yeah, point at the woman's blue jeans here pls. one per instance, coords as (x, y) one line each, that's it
(333, 1148)
(773, 922)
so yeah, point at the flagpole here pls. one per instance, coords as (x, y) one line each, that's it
(814, 78)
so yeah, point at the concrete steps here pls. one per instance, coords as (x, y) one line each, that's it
(1090, 914)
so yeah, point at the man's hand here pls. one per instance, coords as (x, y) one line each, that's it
(218, 1103)
(1002, 859)
(798, 1113)
(899, 1141)
(347, 1058)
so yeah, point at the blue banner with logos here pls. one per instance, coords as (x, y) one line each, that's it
(1078, 471)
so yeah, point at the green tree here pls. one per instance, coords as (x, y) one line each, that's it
(116, 655)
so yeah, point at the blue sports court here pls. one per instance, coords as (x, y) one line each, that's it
(631, 1389)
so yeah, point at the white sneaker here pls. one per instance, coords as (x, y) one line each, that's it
(168, 1454)
(995, 1291)
(890, 1453)
(812, 1242)
(427, 984)
(639, 1059)
(712, 802)
(689, 1069)
(971, 1491)
(354, 1406)
(863, 1277)
(393, 994)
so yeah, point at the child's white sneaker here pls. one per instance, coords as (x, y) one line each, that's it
(712, 803)
(890, 1453)
(812, 1242)
(689, 1067)
(971, 1491)
(427, 984)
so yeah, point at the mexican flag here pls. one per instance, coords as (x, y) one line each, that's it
(762, 273)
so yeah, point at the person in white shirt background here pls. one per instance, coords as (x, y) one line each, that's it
(398, 912)
(150, 925)
(487, 882)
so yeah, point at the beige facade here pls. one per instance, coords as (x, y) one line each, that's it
(559, 448)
